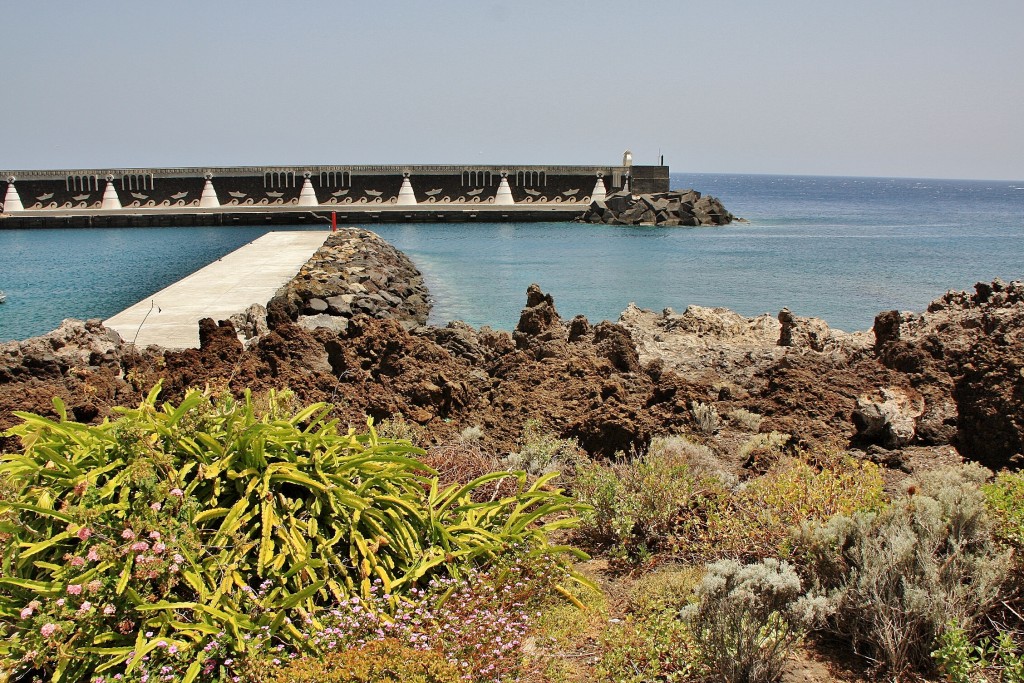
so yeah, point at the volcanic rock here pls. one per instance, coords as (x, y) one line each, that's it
(888, 416)
(678, 207)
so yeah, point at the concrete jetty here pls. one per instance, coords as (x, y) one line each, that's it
(246, 276)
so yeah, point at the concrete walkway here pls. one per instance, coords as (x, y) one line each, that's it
(246, 276)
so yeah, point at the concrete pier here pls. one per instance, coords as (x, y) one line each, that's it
(292, 215)
(246, 276)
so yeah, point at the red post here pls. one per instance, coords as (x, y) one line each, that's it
(334, 221)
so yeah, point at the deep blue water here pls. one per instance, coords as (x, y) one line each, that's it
(838, 248)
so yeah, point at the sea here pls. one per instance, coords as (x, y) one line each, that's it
(842, 249)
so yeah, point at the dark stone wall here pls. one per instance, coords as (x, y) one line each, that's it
(650, 179)
(164, 192)
(53, 194)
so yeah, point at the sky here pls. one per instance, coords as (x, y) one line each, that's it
(911, 88)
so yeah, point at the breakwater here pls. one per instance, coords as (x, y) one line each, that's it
(124, 197)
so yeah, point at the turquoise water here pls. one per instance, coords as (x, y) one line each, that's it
(839, 248)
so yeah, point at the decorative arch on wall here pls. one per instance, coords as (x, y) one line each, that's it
(82, 183)
(335, 179)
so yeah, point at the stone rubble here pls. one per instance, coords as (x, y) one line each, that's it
(354, 273)
(675, 208)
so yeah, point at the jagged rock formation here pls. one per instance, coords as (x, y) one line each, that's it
(952, 376)
(965, 355)
(678, 207)
(82, 363)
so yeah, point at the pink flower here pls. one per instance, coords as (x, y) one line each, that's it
(109, 610)
(140, 546)
(176, 492)
(93, 555)
(77, 561)
(178, 559)
(85, 607)
(159, 548)
(75, 589)
(27, 612)
(60, 602)
(155, 535)
(48, 630)
(173, 568)
(94, 586)
(155, 507)
(128, 535)
(84, 533)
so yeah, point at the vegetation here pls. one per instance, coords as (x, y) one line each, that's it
(748, 618)
(661, 503)
(250, 540)
(896, 578)
(706, 417)
(542, 452)
(202, 532)
(382, 661)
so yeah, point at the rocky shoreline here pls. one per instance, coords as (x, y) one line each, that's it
(350, 329)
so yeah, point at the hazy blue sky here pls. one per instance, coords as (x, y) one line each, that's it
(925, 88)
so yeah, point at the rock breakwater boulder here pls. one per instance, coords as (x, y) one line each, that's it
(354, 273)
(675, 208)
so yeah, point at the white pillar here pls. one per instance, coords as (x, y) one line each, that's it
(599, 190)
(307, 197)
(405, 194)
(504, 195)
(208, 200)
(12, 202)
(110, 200)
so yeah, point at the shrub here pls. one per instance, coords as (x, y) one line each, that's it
(194, 528)
(744, 419)
(961, 661)
(748, 618)
(542, 452)
(763, 512)
(762, 451)
(667, 588)
(652, 642)
(383, 661)
(659, 503)
(641, 506)
(700, 459)
(705, 416)
(397, 428)
(471, 435)
(895, 578)
(656, 646)
(1005, 497)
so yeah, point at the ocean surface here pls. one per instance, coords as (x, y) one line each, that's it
(842, 249)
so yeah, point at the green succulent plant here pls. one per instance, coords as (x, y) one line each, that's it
(214, 517)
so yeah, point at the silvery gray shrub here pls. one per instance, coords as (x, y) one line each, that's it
(747, 618)
(896, 578)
